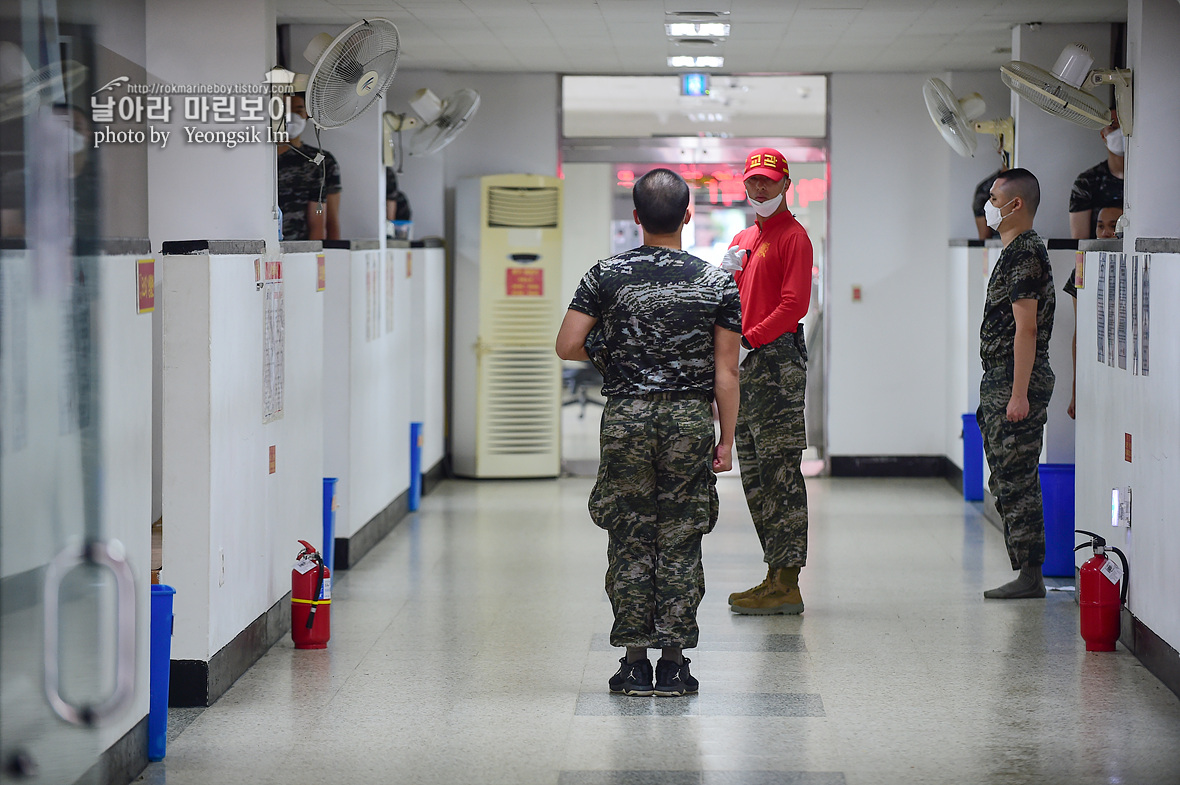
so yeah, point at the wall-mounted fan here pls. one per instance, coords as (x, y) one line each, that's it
(1060, 93)
(955, 119)
(441, 121)
(24, 89)
(350, 71)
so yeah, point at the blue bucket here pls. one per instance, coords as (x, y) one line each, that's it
(1058, 501)
(328, 550)
(972, 460)
(415, 465)
(161, 665)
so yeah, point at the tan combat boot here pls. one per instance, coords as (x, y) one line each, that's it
(738, 595)
(780, 595)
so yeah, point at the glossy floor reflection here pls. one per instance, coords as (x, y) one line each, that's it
(469, 647)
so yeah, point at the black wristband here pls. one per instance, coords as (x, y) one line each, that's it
(746, 343)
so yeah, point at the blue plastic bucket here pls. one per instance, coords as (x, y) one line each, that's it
(972, 460)
(1058, 501)
(328, 550)
(161, 665)
(415, 465)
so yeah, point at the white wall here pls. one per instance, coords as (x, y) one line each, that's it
(585, 240)
(888, 202)
(221, 503)
(1153, 161)
(238, 184)
(1056, 150)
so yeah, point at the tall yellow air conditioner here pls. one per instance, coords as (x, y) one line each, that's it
(506, 377)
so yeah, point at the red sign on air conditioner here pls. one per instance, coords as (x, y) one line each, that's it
(525, 282)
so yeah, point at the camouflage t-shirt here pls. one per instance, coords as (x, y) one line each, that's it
(1022, 272)
(657, 308)
(1095, 188)
(299, 183)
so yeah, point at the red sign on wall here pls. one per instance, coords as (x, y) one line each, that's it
(523, 282)
(146, 282)
(272, 459)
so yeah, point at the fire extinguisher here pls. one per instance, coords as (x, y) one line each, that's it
(311, 600)
(1102, 592)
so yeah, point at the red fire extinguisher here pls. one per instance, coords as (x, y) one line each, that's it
(1102, 592)
(311, 600)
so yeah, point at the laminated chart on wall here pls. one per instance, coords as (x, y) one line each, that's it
(1101, 321)
(1135, 314)
(1122, 312)
(1143, 366)
(372, 298)
(1111, 307)
(390, 276)
(273, 342)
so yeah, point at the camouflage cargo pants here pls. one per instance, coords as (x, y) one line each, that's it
(771, 436)
(1013, 451)
(656, 496)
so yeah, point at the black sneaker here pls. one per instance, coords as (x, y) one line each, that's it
(633, 678)
(673, 680)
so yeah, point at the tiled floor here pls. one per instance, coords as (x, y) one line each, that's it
(469, 647)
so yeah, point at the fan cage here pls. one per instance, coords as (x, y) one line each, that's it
(332, 98)
(1049, 93)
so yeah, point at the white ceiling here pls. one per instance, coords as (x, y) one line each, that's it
(767, 36)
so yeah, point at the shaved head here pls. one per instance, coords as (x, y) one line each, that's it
(1022, 183)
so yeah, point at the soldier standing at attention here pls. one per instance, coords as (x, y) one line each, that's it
(669, 331)
(1017, 380)
(771, 262)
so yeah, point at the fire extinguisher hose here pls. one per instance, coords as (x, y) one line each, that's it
(319, 590)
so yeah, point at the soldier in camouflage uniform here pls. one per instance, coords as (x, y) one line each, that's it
(666, 331)
(771, 262)
(1017, 380)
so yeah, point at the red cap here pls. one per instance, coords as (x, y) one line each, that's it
(767, 161)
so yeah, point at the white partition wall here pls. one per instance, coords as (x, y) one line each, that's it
(368, 365)
(243, 445)
(428, 333)
(1116, 404)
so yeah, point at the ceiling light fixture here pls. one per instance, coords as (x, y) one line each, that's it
(693, 30)
(685, 61)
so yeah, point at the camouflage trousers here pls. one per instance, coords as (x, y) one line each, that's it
(1013, 451)
(771, 436)
(656, 496)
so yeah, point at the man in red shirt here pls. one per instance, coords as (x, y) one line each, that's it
(772, 262)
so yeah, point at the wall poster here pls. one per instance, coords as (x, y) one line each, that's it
(273, 342)
(1111, 308)
(1135, 314)
(1101, 307)
(1143, 364)
(1122, 312)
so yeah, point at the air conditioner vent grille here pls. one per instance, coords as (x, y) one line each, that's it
(530, 208)
(521, 400)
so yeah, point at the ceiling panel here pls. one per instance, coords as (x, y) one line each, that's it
(620, 36)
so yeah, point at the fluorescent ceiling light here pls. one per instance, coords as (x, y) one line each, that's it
(693, 30)
(685, 61)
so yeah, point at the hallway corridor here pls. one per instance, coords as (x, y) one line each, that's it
(470, 646)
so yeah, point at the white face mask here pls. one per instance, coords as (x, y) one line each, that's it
(992, 214)
(767, 208)
(295, 126)
(1116, 142)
